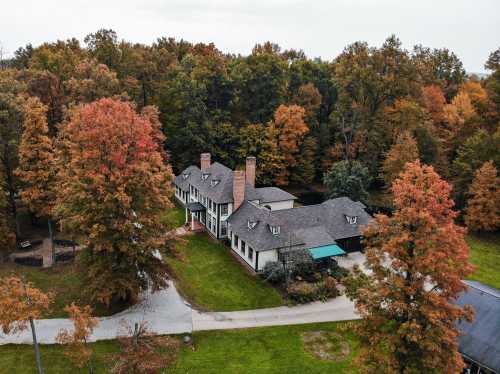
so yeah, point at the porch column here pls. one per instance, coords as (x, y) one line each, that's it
(186, 221)
(192, 221)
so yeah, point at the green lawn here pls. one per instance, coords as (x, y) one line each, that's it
(64, 280)
(174, 217)
(485, 255)
(260, 350)
(212, 279)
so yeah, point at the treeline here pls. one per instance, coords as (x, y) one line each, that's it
(298, 115)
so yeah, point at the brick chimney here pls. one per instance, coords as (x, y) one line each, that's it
(204, 161)
(250, 170)
(238, 188)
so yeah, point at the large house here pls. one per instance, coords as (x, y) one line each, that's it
(262, 224)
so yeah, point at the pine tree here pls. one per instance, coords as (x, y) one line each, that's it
(483, 207)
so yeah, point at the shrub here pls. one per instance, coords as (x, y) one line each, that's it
(273, 272)
(339, 272)
(328, 289)
(302, 292)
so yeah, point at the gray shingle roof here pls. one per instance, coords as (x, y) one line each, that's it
(273, 194)
(306, 227)
(481, 338)
(222, 192)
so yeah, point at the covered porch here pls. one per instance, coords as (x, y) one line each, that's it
(196, 216)
(324, 256)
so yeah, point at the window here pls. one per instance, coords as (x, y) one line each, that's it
(223, 228)
(224, 209)
(235, 241)
(204, 176)
(185, 176)
(209, 204)
(243, 247)
(275, 230)
(214, 182)
(351, 220)
(250, 253)
(251, 224)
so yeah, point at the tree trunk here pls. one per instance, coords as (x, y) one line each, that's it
(36, 347)
(51, 235)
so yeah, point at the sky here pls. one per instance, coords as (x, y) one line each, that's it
(321, 28)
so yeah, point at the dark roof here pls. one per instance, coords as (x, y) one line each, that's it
(273, 194)
(301, 227)
(222, 191)
(481, 339)
(195, 207)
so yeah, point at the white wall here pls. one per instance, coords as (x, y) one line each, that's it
(279, 205)
(267, 256)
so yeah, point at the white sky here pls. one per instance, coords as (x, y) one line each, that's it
(470, 28)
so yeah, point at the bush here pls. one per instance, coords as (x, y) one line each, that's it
(328, 289)
(303, 292)
(339, 272)
(273, 272)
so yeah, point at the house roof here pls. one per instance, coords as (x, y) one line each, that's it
(222, 191)
(480, 340)
(301, 227)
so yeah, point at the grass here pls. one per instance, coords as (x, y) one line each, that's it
(260, 350)
(174, 217)
(209, 277)
(485, 254)
(64, 280)
(20, 359)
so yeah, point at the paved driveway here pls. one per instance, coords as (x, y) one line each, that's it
(164, 311)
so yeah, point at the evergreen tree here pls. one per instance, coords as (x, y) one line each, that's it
(348, 178)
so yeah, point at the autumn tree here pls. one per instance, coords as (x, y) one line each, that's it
(11, 123)
(402, 151)
(143, 353)
(20, 304)
(37, 167)
(483, 207)
(77, 349)
(91, 81)
(290, 130)
(347, 178)
(417, 258)
(114, 190)
(7, 237)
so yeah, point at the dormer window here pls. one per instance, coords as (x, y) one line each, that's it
(251, 224)
(351, 220)
(275, 230)
(185, 175)
(204, 176)
(214, 182)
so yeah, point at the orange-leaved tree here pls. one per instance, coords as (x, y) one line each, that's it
(37, 167)
(77, 349)
(417, 259)
(402, 151)
(143, 353)
(114, 190)
(20, 304)
(483, 207)
(290, 130)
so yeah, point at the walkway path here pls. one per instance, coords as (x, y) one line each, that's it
(167, 313)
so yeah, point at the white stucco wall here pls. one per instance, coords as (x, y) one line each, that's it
(280, 205)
